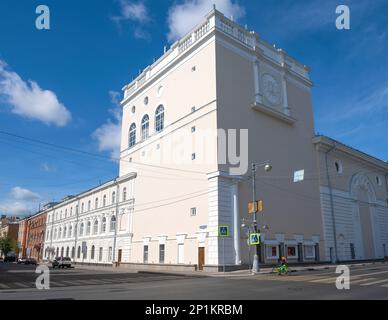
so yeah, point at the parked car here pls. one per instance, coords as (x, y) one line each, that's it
(10, 258)
(61, 262)
(25, 260)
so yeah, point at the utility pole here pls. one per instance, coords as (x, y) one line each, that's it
(267, 168)
(255, 265)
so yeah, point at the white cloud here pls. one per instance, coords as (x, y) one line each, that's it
(108, 135)
(136, 13)
(47, 167)
(18, 209)
(184, 16)
(28, 100)
(133, 11)
(24, 194)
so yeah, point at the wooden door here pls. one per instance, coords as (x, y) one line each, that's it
(201, 258)
(119, 257)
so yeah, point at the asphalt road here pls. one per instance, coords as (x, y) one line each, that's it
(18, 282)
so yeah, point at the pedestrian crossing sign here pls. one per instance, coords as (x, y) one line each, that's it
(254, 238)
(223, 231)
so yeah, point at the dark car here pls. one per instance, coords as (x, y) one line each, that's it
(10, 259)
(25, 260)
(61, 262)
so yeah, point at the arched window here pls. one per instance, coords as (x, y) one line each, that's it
(132, 135)
(112, 223)
(86, 252)
(96, 203)
(88, 225)
(103, 225)
(62, 249)
(95, 227)
(73, 252)
(104, 200)
(92, 253)
(113, 197)
(145, 127)
(82, 207)
(79, 252)
(159, 119)
(70, 231)
(57, 252)
(67, 251)
(89, 205)
(124, 194)
(81, 229)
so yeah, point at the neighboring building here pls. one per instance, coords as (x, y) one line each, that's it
(164, 213)
(36, 226)
(22, 237)
(94, 226)
(354, 199)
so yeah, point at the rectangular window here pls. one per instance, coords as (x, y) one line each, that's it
(161, 253)
(110, 254)
(272, 252)
(309, 251)
(193, 212)
(145, 254)
(100, 254)
(292, 252)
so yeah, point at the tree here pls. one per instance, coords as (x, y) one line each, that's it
(7, 245)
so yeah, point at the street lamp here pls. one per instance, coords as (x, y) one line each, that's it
(267, 168)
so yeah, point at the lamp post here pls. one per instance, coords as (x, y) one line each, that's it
(267, 168)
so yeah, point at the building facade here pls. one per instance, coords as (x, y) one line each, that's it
(22, 237)
(36, 226)
(194, 122)
(94, 226)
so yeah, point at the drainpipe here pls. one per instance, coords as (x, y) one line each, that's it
(332, 202)
(76, 228)
(117, 220)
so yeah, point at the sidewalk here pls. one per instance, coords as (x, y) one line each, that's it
(239, 273)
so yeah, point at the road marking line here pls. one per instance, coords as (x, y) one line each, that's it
(19, 284)
(4, 286)
(370, 274)
(374, 282)
(361, 280)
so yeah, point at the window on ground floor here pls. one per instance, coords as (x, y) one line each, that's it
(145, 254)
(161, 253)
(92, 253)
(292, 251)
(110, 254)
(272, 252)
(73, 252)
(309, 251)
(79, 252)
(100, 254)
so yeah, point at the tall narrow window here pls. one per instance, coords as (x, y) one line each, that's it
(89, 205)
(96, 204)
(161, 253)
(104, 201)
(145, 254)
(145, 127)
(124, 194)
(159, 119)
(81, 229)
(100, 254)
(113, 223)
(113, 197)
(92, 253)
(95, 227)
(132, 135)
(88, 228)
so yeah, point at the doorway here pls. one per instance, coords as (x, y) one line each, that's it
(201, 258)
(119, 257)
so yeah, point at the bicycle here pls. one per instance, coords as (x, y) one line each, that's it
(281, 270)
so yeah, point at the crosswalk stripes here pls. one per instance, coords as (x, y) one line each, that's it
(374, 282)
(21, 285)
(4, 286)
(361, 280)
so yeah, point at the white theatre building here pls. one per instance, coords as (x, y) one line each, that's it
(177, 184)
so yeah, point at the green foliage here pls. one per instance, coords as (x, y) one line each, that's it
(7, 245)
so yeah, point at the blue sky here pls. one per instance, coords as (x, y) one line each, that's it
(70, 78)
